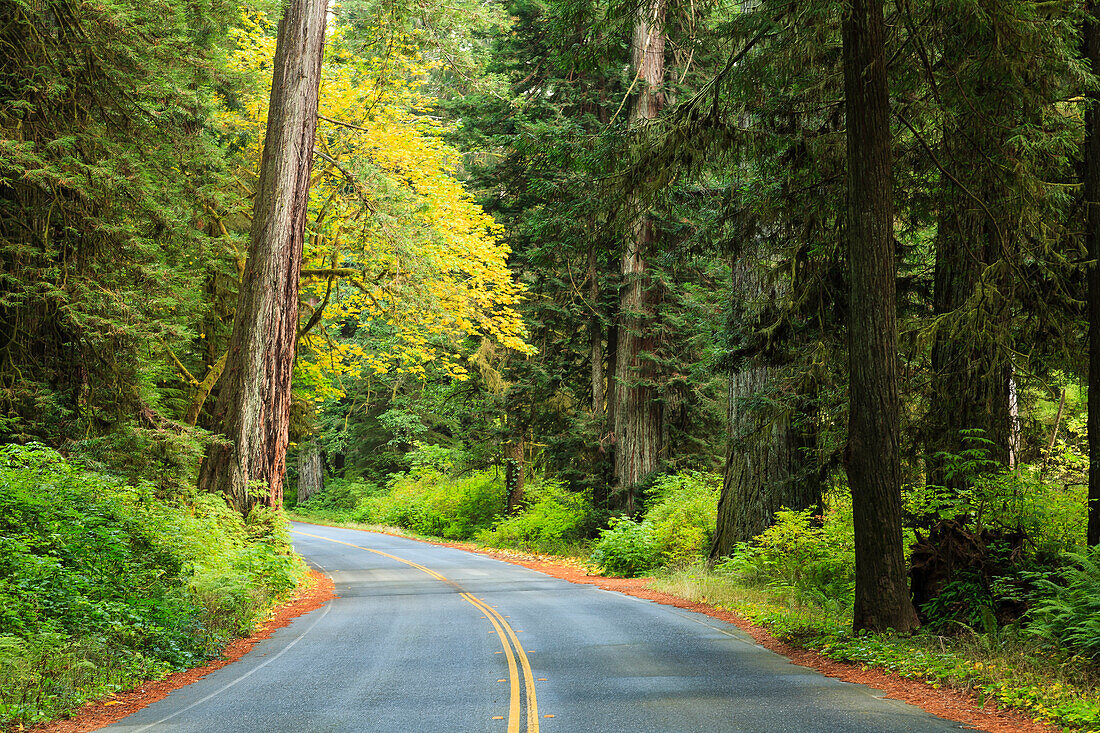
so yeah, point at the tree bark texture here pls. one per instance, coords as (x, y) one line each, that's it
(971, 372)
(1092, 234)
(765, 468)
(973, 288)
(514, 475)
(311, 472)
(872, 457)
(253, 406)
(637, 416)
(595, 336)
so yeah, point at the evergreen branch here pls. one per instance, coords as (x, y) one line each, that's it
(330, 272)
(213, 374)
(356, 184)
(953, 179)
(318, 312)
(630, 89)
(730, 63)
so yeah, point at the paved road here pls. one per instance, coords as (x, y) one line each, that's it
(430, 639)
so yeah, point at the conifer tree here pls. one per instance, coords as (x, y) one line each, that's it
(872, 458)
(1001, 138)
(108, 166)
(253, 407)
(637, 425)
(1091, 34)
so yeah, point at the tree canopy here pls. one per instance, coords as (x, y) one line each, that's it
(584, 248)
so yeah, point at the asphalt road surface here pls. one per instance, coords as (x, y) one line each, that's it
(430, 639)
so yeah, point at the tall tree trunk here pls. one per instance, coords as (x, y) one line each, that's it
(311, 473)
(971, 373)
(758, 465)
(612, 368)
(253, 406)
(973, 288)
(595, 336)
(765, 468)
(514, 474)
(872, 456)
(1092, 234)
(637, 423)
(1014, 444)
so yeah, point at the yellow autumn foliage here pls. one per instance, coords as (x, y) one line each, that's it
(396, 244)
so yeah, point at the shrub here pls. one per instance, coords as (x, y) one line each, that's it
(554, 521)
(103, 585)
(682, 513)
(1052, 517)
(809, 563)
(439, 459)
(430, 503)
(625, 548)
(339, 496)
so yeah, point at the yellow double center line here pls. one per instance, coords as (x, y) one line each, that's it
(503, 630)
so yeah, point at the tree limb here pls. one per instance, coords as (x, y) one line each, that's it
(204, 389)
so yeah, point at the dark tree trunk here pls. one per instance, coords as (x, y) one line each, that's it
(612, 368)
(311, 472)
(637, 420)
(637, 423)
(973, 289)
(253, 406)
(970, 383)
(765, 468)
(1092, 197)
(872, 456)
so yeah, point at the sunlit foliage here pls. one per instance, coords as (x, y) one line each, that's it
(404, 264)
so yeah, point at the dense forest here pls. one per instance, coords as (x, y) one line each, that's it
(798, 298)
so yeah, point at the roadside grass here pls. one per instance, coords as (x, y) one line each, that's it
(1008, 666)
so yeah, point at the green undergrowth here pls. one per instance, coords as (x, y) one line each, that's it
(1011, 667)
(438, 499)
(675, 530)
(105, 584)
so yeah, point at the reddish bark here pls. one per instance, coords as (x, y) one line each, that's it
(253, 405)
(637, 412)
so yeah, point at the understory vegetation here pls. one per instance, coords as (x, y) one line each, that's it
(105, 584)
(1017, 624)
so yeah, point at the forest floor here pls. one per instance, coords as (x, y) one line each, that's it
(950, 703)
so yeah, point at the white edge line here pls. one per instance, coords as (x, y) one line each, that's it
(244, 676)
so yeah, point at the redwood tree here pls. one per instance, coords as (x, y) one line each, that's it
(253, 406)
(872, 458)
(637, 414)
(767, 468)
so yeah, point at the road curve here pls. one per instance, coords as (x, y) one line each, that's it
(430, 639)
